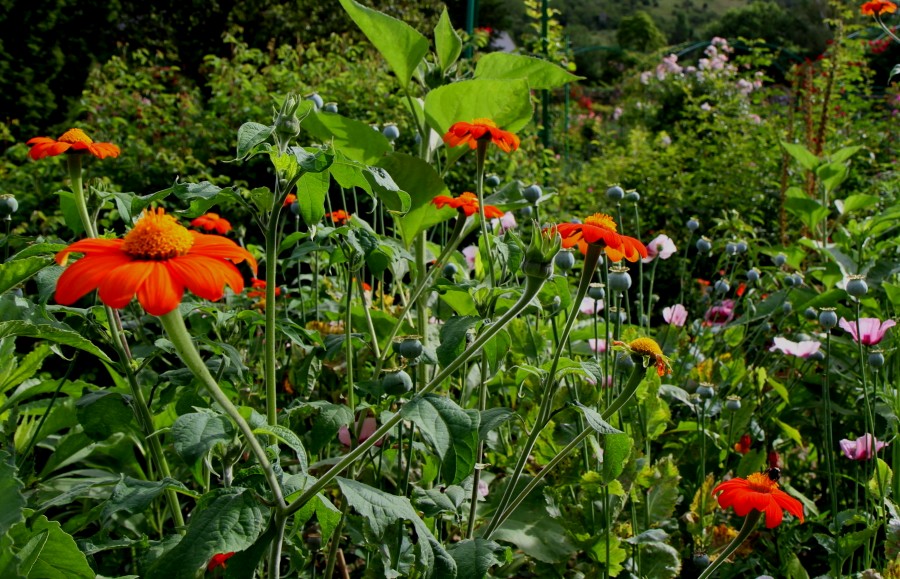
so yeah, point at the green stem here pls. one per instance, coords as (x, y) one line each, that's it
(637, 376)
(829, 434)
(747, 528)
(532, 287)
(177, 332)
(275, 549)
(73, 163)
(271, 260)
(590, 265)
(480, 154)
(479, 453)
(420, 301)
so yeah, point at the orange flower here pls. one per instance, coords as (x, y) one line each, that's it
(648, 348)
(289, 200)
(878, 7)
(758, 492)
(478, 130)
(743, 445)
(156, 260)
(338, 217)
(74, 141)
(212, 222)
(600, 229)
(468, 204)
(219, 560)
(259, 289)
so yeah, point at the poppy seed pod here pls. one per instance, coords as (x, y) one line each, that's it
(633, 196)
(704, 245)
(810, 313)
(857, 286)
(753, 275)
(331, 107)
(828, 318)
(619, 279)
(730, 248)
(733, 403)
(779, 259)
(492, 180)
(741, 246)
(410, 347)
(706, 391)
(615, 193)
(532, 193)
(396, 383)
(693, 224)
(876, 359)
(565, 260)
(596, 291)
(390, 132)
(316, 100)
(8, 205)
(722, 286)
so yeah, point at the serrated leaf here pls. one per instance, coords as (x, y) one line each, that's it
(52, 333)
(48, 551)
(196, 433)
(475, 557)
(103, 413)
(453, 338)
(452, 432)
(447, 42)
(659, 560)
(402, 46)
(381, 510)
(540, 74)
(312, 188)
(231, 520)
(14, 272)
(663, 494)
(491, 419)
(595, 420)
(11, 500)
(249, 136)
(616, 450)
(134, 496)
(288, 437)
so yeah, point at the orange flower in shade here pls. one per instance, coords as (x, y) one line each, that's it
(648, 348)
(761, 493)
(289, 200)
(259, 289)
(338, 217)
(212, 222)
(72, 141)
(218, 560)
(878, 7)
(600, 229)
(743, 445)
(467, 203)
(481, 130)
(156, 260)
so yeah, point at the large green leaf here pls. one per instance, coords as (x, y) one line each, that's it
(808, 210)
(355, 139)
(231, 520)
(134, 496)
(373, 180)
(54, 334)
(381, 510)
(423, 183)
(104, 413)
(453, 338)
(447, 42)
(17, 372)
(17, 271)
(616, 449)
(312, 188)
(832, 175)
(659, 560)
(11, 500)
(201, 196)
(452, 431)
(288, 437)
(531, 529)
(540, 74)
(474, 557)
(249, 136)
(197, 433)
(46, 551)
(663, 494)
(506, 102)
(402, 46)
(802, 155)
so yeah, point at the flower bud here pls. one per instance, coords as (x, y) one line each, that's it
(532, 193)
(287, 124)
(545, 244)
(704, 245)
(857, 286)
(619, 280)
(615, 193)
(565, 260)
(828, 318)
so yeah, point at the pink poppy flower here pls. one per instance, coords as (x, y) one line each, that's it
(675, 315)
(590, 306)
(719, 314)
(469, 253)
(862, 447)
(598, 346)
(661, 246)
(871, 330)
(803, 349)
(508, 221)
(369, 426)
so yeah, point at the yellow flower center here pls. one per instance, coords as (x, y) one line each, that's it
(601, 220)
(646, 347)
(761, 483)
(75, 136)
(157, 236)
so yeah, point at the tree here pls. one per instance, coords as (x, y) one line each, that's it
(639, 32)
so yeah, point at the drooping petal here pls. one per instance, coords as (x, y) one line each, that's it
(221, 248)
(205, 276)
(92, 247)
(85, 275)
(774, 514)
(162, 290)
(120, 285)
(48, 150)
(789, 503)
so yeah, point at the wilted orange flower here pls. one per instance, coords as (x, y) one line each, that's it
(156, 260)
(218, 560)
(649, 348)
(761, 493)
(878, 7)
(73, 141)
(289, 200)
(212, 222)
(743, 445)
(338, 217)
(259, 289)
(468, 204)
(481, 129)
(600, 229)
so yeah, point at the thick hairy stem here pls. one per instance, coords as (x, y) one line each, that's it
(749, 524)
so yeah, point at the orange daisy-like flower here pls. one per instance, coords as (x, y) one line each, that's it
(481, 130)
(648, 348)
(468, 204)
(743, 445)
(156, 260)
(878, 7)
(72, 141)
(259, 289)
(758, 492)
(289, 200)
(600, 229)
(218, 560)
(212, 222)
(339, 217)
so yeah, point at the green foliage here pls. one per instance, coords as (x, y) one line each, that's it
(639, 32)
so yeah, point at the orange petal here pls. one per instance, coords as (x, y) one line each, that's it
(206, 276)
(85, 275)
(221, 247)
(121, 284)
(92, 247)
(162, 290)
